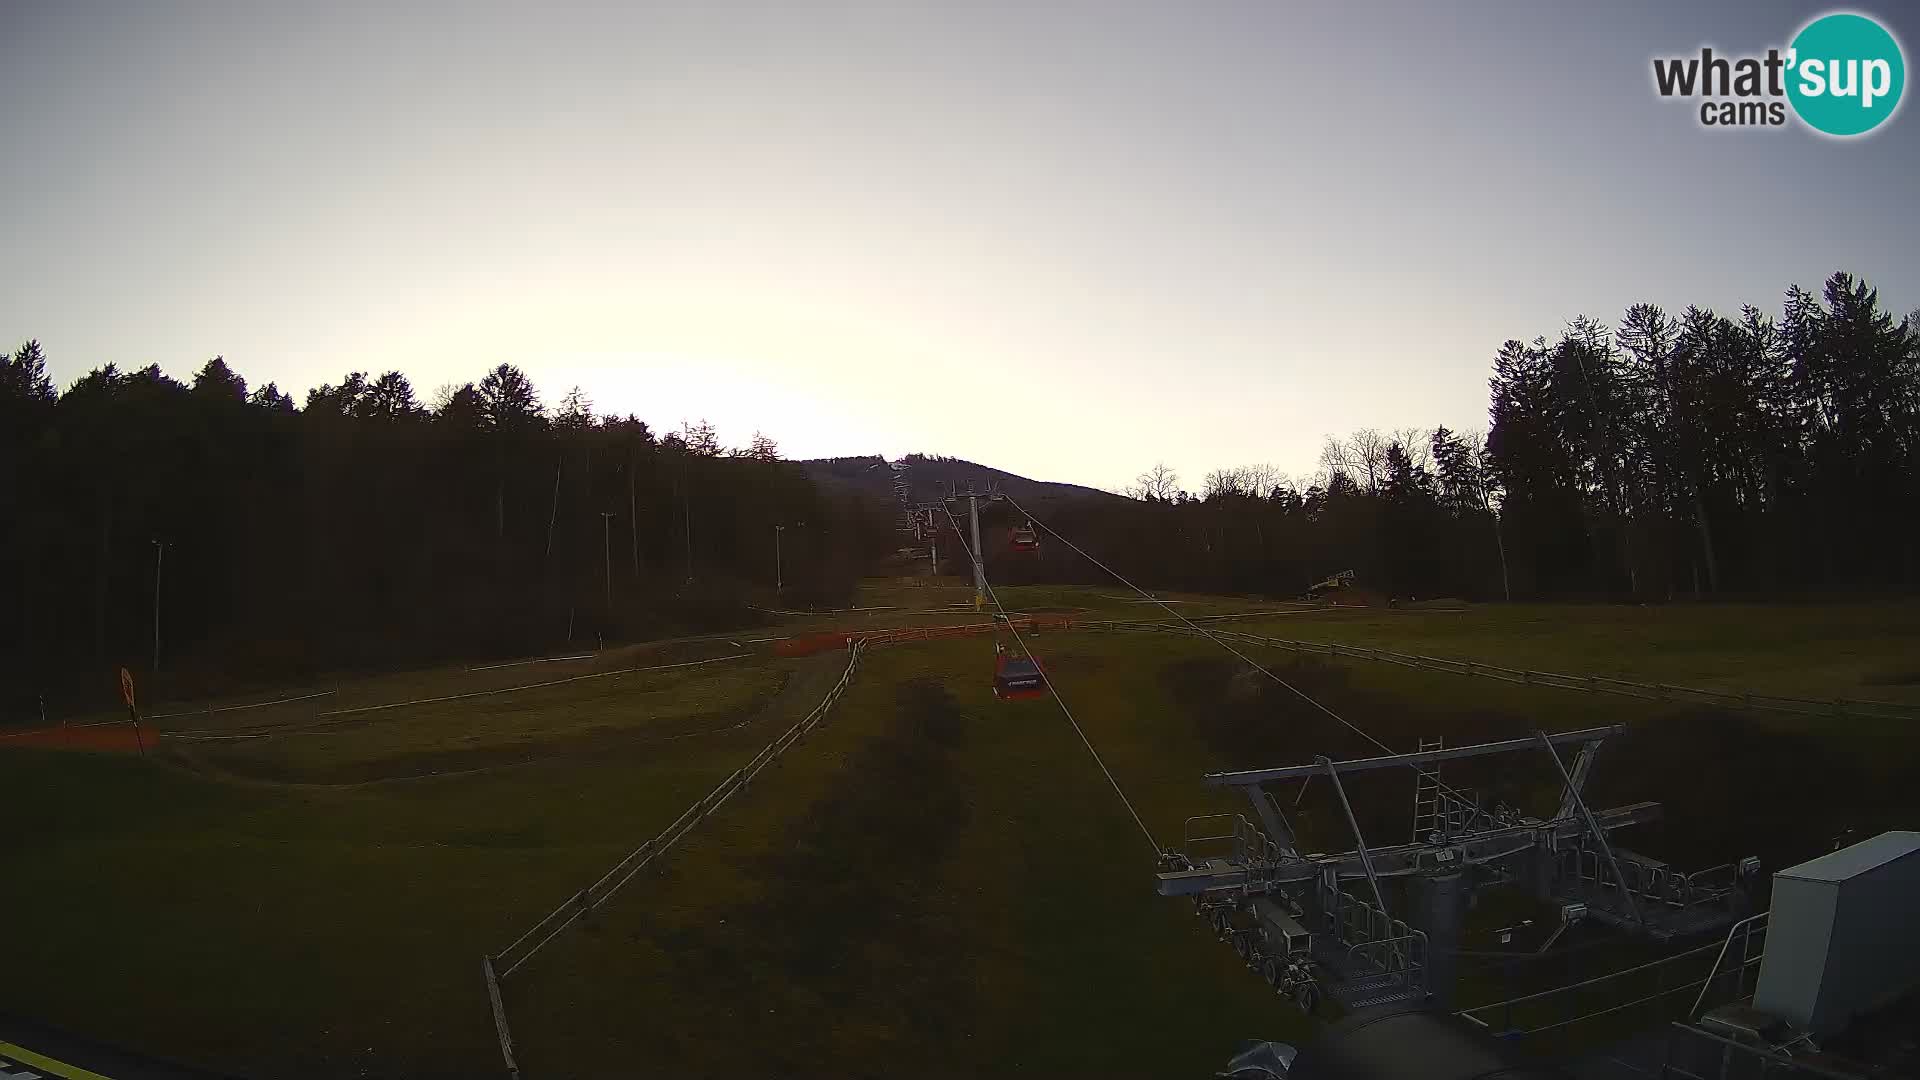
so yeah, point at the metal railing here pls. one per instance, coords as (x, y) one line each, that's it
(1592, 684)
(1389, 945)
(498, 966)
(1570, 991)
(1607, 987)
(1242, 844)
(609, 883)
(1745, 929)
(1406, 952)
(1660, 884)
(1693, 1053)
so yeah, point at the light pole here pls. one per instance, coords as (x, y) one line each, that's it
(159, 552)
(606, 551)
(633, 517)
(778, 584)
(686, 517)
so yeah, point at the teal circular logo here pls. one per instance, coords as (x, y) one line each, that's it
(1845, 74)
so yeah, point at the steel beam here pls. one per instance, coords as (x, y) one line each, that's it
(1278, 829)
(1582, 765)
(1360, 842)
(1399, 860)
(1424, 757)
(1599, 834)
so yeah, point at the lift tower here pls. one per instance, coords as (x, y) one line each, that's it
(1297, 921)
(973, 497)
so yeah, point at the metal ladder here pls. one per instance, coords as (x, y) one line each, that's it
(1426, 794)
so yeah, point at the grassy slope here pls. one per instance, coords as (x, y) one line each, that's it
(615, 714)
(349, 690)
(983, 907)
(313, 930)
(325, 931)
(1863, 651)
(1065, 959)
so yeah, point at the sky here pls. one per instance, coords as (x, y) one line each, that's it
(1067, 239)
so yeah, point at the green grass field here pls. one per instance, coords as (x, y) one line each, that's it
(1859, 651)
(935, 880)
(943, 879)
(622, 712)
(332, 928)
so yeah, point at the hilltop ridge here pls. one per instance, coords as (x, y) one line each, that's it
(928, 477)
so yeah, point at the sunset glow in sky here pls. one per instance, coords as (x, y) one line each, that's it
(1065, 239)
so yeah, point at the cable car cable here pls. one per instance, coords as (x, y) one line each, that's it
(1062, 702)
(1222, 643)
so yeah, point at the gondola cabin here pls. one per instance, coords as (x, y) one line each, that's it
(1017, 678)
(1023, 538)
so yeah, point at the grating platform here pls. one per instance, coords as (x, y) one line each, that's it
(1365, 987)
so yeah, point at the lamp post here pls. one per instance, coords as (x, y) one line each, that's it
(686, 517)
(778, 584)
(159, 553)
(606, 551)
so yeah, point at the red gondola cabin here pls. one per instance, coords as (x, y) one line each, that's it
(1017, 678)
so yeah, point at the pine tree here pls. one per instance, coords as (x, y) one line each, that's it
(576, 411)
(390, 398)
(23, 376)
(217, 380)
(699, 439)
(508, 402)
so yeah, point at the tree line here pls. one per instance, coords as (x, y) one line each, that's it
(1666, 456)
(367, 529)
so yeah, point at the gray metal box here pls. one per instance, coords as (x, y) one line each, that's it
(1844, 934)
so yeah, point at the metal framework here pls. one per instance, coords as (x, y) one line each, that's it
(1254, 885)
(919, 519)
(973, 498)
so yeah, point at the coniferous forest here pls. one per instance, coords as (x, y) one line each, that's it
(1666, 456)
(367, 529)
(1663, 457)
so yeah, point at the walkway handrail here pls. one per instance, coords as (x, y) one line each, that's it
(1721, 957)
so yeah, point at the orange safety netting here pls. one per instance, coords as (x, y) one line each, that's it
(808, 644)
(122, 738)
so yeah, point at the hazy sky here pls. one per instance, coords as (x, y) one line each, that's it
(1066, 239)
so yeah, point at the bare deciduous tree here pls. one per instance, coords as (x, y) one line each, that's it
(1366, 451)
(1260, 479)
(1333, 462)
(1159, 483)
(1418, 443)
(1221, 483)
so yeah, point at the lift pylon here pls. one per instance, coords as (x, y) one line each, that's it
(973, 496)
(1244, 877)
